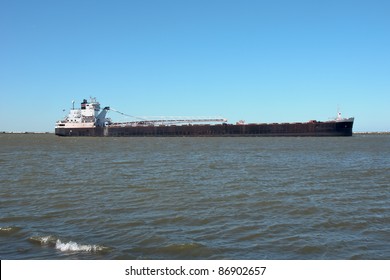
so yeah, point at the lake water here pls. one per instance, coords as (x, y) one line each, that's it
(194, 198)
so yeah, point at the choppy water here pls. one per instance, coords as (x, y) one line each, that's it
(194, 198)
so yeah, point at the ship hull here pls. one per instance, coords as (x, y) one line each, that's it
(313, 129)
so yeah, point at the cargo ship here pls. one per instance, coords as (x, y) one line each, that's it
(91, 120)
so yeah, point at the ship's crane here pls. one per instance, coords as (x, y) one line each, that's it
(145, 121)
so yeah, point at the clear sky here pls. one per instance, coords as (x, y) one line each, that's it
(259, 60)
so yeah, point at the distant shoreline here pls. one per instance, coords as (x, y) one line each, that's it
(374, 133)
(26, 132)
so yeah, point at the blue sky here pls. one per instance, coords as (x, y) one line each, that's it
(261, 61)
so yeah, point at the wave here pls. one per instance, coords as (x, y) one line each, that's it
(70, 246)
(75, 247)
(181, 251)
(9, 230)
(43, 240)
(126, 162)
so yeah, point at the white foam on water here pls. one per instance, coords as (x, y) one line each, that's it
(75, 247)
(46, 239)
(5, 229)
(70, 246)
(43, 240)
(9, 229)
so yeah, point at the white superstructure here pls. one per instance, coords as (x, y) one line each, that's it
(339, 118)
(88, 115)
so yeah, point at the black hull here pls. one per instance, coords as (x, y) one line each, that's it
(312, 129)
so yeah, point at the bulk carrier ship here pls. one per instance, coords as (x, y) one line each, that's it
(91, 120)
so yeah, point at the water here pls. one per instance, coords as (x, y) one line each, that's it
(194, 198)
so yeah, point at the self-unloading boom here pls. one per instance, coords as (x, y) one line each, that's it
(142, 121)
